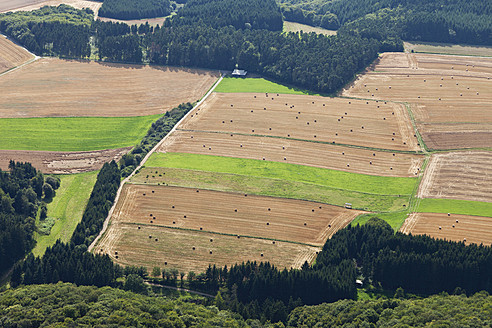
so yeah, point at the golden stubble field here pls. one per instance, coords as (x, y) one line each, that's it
(332, 120)
(242, 222)
(11, 55)
(53, 87)
(450, 96)
(460, 228)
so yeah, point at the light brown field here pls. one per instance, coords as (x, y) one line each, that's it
(291, 220)
(333, 120)
(295, 152)
(152, 21)
(11, 55)
(474, 229)
(29, 5)
(297, 27)
(448, 48)
(459, 175)
(175, 247)
(451, 96)
(52, 87)
(53, 162)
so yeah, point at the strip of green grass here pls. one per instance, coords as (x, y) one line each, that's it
(73, 133)
(267, 187)
(67, 208)
(257, 85)
(455, 206)
(394, 219)
(287, 172)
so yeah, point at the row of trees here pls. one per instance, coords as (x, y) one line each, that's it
(22, 190)
(131, 9)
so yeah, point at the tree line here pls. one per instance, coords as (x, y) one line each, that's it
(23, 190)
(131, 9)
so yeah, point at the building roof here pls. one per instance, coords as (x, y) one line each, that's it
(239, 72)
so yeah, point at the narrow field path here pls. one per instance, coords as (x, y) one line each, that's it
(106, 222)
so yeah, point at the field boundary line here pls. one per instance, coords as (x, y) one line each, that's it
(157, 146)
(35, 57)
(220, 233)
(409, 152)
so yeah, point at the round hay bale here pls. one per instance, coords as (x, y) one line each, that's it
(261, 254)
(174, 222)
(150, 236)
(156, 239)
(138, 228)
(269, 209)
(151, 221)
(201, 228)
(285, 158)
(449, 214)
(184, 216)
(172, 206)
(235, 210)
(329, 226)
(193, 248)
(116, 256)
(305, 224)
(268, 223)
(211, 240)
(273, 242)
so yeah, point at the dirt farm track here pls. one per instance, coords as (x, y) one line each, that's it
(202, 211)
(470, 229)
(79, 88)
(62, 162)
(450, 96)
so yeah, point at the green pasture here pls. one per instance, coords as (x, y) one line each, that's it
(66, 208)
(394, 219)
(73, 133)
(455, 206)
(256, 85)
(288, 172)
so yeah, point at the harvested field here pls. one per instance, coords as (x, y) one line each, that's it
(297, 27)
(29, 5)
(296, 152)
(231, 213)
(152, 21)
(53, 162)
(172, 248)
(450, 96)
(333, 120)
(459, 175)
(81, 88)
(448, 48)
(471, 229)
(11, 55)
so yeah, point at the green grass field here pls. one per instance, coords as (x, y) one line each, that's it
(287, 172)
(455, 206)
(67, 208)
(73, 133)
(394, 219)
(262, 186)
(258, 85)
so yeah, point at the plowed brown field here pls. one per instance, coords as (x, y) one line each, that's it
(333, 120)
(295, 152)
(460, 175)
(471, 229)
(79, 88)
(11, 55)
(128, 245)
(451, 96)
(29, 5)
(62, 162)
(210, 221)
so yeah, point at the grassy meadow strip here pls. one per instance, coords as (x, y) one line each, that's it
(66, 208)
(455, 206)
(257, 85)
(268, 187)
(394, 219)
(73, 133)
(288, 172)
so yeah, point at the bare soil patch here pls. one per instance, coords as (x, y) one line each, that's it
(193, 251)
(451, 96)
(335, 120)
(459, 175)
(461, 228)
(61, 88)
(11, 55)
(29, 5)
(295, 152)
(62, 162)
(231, 213)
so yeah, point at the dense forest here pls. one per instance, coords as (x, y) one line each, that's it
(131, 9)
(50, 31)
(65, 305)
(22, 191)
(458, 21)
(241, 14)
